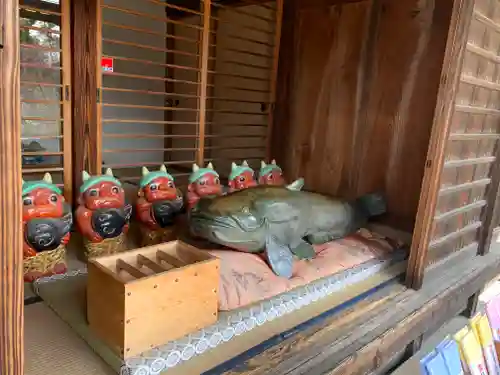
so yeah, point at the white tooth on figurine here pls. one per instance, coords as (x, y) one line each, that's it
(145, 171)
(85, 175)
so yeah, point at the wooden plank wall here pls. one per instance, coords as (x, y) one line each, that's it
(354, 112)
(459, 216)
(11, 280)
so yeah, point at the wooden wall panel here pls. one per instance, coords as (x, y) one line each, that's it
(354, 110)
(11, 275)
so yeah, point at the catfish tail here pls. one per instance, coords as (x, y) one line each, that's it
(373, 204)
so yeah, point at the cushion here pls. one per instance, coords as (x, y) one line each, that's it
(246, 278)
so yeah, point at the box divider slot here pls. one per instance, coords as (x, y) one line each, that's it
(121, 265)
(153, 266)
(161, 255)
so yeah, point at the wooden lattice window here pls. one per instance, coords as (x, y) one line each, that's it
(184, 82)
(45, 91)
(472, 141)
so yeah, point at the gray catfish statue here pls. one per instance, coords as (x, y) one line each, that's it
(280, 221)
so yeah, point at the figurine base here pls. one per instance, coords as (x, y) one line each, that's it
(44, 264)
(105, 247)
(150, 237)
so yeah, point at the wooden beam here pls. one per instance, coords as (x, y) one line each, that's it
(452, 67)
(85, 127)
(11, 229)
(203, 80)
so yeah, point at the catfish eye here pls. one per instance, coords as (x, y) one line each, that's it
(115, 190)
(242, 178)
(216, 181)
(153, 187)
(53, 198)
(202, 182)
(170, 184)
(93, 193)
(270, 176)
(27, 201)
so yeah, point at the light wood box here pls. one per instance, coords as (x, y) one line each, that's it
(140, 299)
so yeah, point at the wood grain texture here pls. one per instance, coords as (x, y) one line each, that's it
(85, 118)
(11, 276)
(452, 64)
(67, 106)
(353, 110)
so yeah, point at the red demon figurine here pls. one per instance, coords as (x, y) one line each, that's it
(102, 212)
(47, 221)
(271, 174)
(203, 182)
(159, 201)
(241, 177)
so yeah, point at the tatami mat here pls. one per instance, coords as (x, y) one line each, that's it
(52, 348)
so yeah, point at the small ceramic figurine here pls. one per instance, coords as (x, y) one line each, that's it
(241, 177)
(158, 205)
(203, 182)
(47, 221)
(102, 214)
(271, 174)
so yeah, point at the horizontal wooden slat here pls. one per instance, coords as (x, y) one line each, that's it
(40, 48)
(469, 185)
(478, 110)
(127, 150)
(38, 10)
(43, 30)
(149, 47)
(42, 170)
(456, 234)
(147, 164)
(473, 136)
(460, 210)
(149, 32)
(480, 82)
(149, 16)
(459, 163)
(148, 62)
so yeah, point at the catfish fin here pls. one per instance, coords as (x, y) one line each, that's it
(322, 237)
(297, 185)
(279, 257)
(303, 250)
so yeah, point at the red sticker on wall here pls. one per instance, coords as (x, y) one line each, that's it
(107, 64)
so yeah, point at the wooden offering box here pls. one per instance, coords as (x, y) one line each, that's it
(139, 299)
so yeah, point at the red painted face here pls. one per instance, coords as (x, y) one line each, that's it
(42, 202)
(206, 185)
(274, 177)
(242, 181)
(103, 195)
(160, 189)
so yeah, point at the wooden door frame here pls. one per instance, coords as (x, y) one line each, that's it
(450, 75)
(11, 260)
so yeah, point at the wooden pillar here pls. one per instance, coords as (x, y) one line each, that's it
(86, 31)
(11, 278)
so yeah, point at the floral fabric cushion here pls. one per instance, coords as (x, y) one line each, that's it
(246, 278)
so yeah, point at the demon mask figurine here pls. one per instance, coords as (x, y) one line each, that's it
(102, 212)
(271, 174)
(159, 200)
(47, 221)
(241, 177)
(203, 182)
